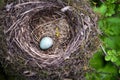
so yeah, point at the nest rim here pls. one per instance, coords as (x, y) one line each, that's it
(78, 32)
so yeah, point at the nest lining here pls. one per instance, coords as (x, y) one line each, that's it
(56, 28)
(28, 22)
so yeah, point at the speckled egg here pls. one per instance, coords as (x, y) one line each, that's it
(46, 43)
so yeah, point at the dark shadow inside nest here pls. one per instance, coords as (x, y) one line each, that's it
(51, 23)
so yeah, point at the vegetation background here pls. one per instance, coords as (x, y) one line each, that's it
(106, 62)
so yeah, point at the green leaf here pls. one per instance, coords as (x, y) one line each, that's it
(101, 9)
(97, 61)
(113, 20)
(113, 59)
(119, 71)
(108, 58)
(119, 7)
(111, 1)
(109, 43)
(109, 68)
(112, 42)
(118, 62)
(108, 72)
(109, 52)
(110, 10)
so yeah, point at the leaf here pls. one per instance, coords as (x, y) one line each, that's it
(119, 7)
(97, 61)
(109, 52)
(113, 59)
(109, 43)
(119, 71)
(108, 58)
(113, 20)
(118, 62)
(109, 68)
(110, 10)
(101, 9)
(111, 1)
(108, 72)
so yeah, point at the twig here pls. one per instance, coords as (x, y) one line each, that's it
(103, 49)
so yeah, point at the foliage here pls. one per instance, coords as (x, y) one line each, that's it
(106, 62)
(102, 70)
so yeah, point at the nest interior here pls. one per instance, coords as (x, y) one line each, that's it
(54, 26)
(71, 26)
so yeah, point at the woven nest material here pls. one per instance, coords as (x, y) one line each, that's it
(71, 26)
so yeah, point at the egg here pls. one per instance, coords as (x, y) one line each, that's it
(46, 43)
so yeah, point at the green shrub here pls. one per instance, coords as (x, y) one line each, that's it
(106, 62)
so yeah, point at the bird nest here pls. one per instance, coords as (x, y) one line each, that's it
(72, 28)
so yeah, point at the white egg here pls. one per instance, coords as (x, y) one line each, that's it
(46, 43)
